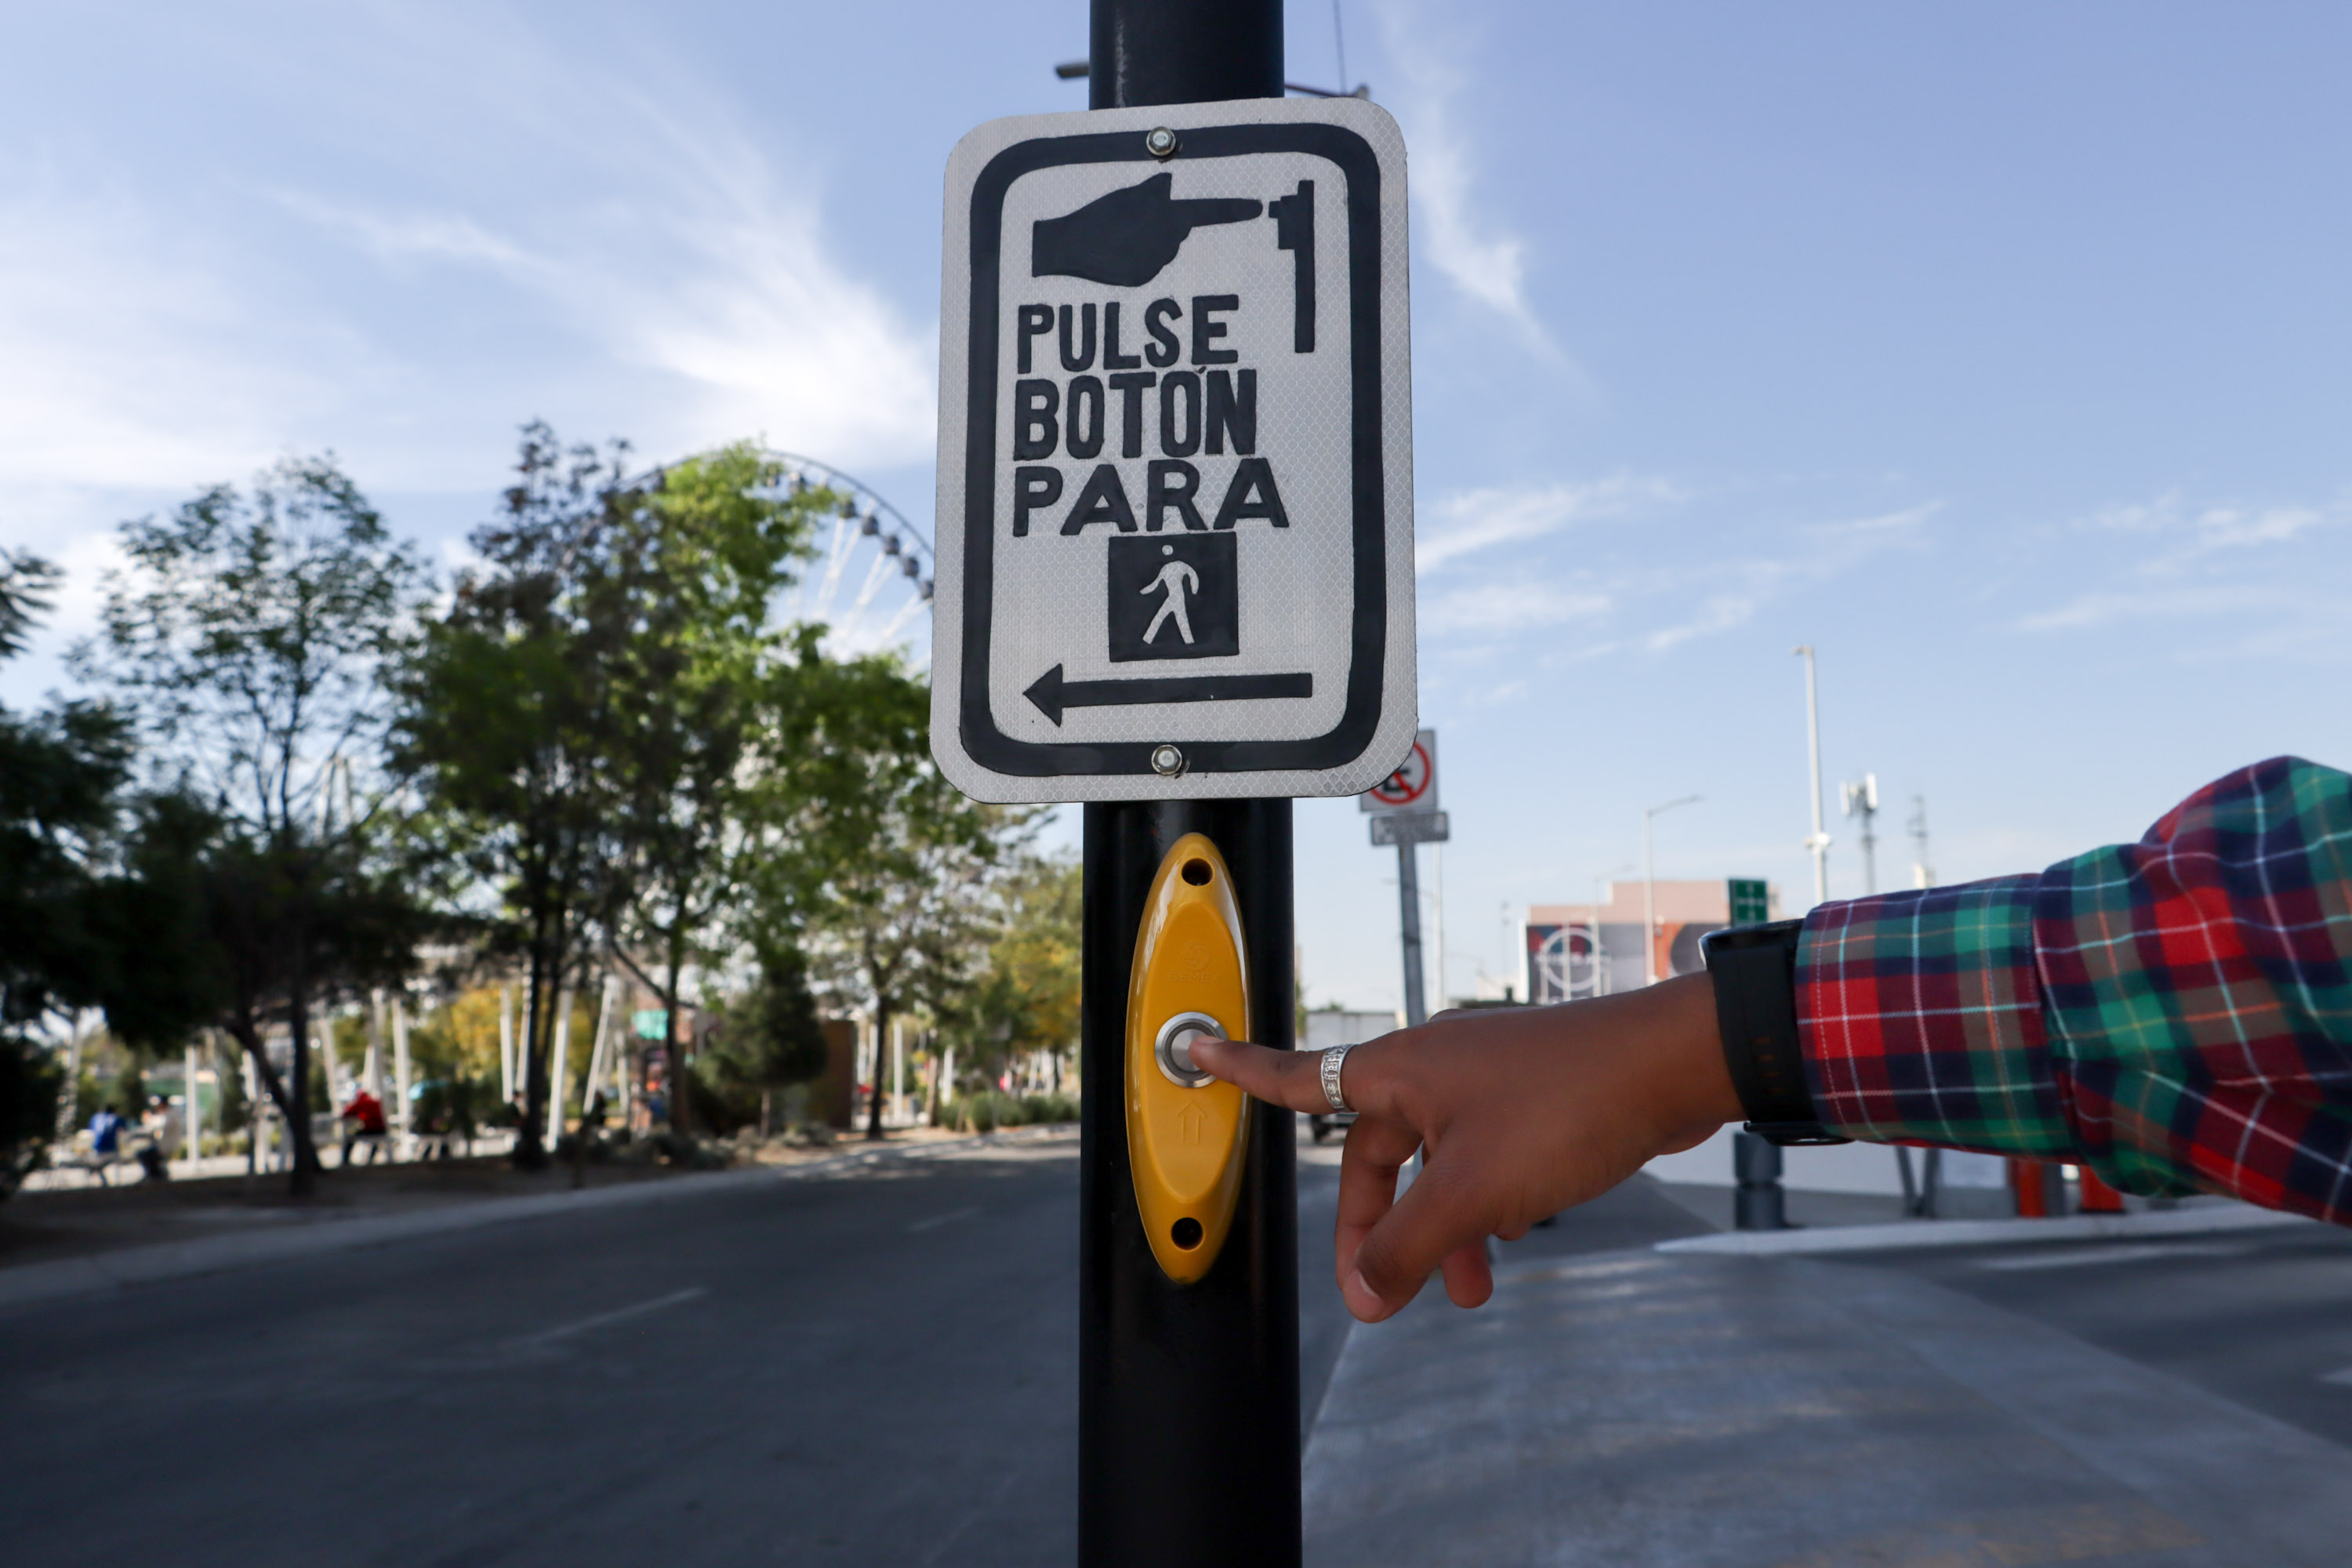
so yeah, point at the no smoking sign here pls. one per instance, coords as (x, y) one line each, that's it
(1413, 787)
(1175, 536)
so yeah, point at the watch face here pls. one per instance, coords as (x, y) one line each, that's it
(1776, 933)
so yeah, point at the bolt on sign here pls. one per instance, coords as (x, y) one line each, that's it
(1175, 514)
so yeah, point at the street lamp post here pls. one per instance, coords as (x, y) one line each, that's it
(1650, 891)
(1820, 842)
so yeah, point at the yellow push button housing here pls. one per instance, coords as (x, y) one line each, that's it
(1186, 1131)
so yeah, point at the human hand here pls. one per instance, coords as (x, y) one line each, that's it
(1518, 1112)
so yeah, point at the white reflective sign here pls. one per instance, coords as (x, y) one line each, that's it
(1175, 524)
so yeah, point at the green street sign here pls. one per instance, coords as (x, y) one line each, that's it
(1751, 903)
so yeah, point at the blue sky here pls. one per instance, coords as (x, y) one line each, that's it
(2000, 352)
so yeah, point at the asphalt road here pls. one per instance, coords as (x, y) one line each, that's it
(876, 1368)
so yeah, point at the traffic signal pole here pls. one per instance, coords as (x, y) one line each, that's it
(1188, 1394)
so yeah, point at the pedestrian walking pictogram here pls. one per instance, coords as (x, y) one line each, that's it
(1176, 580)
(1175, 459)
(1174, 598)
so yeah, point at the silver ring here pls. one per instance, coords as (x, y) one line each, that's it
(1331, 1060)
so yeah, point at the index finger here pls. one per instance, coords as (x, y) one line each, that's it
(1290, 1079)
(1295, 1079)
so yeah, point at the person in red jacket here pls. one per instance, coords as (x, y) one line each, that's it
(2174, 1015)
(364, 1122)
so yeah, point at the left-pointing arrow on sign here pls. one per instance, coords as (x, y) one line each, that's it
(1052, 694)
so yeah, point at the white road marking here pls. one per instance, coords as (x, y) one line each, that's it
(937, 1220)
(2341, 1377)
(2090, 1257)
(618, 1315)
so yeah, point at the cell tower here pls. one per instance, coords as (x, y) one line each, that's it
(1862, 800)
(1923, 874)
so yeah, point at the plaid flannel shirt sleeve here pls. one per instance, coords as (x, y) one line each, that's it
(2175, 1013)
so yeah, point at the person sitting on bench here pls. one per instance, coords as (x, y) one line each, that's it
(364, 1122)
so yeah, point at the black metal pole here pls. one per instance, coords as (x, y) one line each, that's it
(1188, 1395)
(1758, 1202)
(1143, 52)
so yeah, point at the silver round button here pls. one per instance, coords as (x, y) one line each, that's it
(1173, 1048)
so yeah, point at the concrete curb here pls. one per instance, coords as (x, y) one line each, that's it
(1907, 1233)
(133, 1265)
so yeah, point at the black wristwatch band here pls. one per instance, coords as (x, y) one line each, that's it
(1753, 972)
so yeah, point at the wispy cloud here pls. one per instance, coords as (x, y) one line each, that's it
(1495, 608)
(394, 236)
(133, 357)
(1478, 254)
(1472, 520)
(2189, 532)
(1720, 596)
(2106, 608)
(2247, 579)
(552, 234)
(1646, 588)
(686, 249)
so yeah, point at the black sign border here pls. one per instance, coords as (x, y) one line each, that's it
(1367, 668)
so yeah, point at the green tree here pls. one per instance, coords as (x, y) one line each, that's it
(251, 636)
(29, 1080)
(1026, 997)
(707, 708)
(767, 1038)
(507, 722)
(62, 775)
(223, 918)
(68, 938)
(881, 860)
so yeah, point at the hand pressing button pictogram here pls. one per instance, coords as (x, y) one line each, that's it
(1126, 238)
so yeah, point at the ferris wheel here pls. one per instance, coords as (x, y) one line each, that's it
(871, 585)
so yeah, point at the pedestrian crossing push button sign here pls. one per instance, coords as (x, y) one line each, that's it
(1175, 456)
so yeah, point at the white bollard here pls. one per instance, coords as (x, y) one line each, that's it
(558, 1061)
(506, 1045)
(371, 1071)
(190, 1116)
(400, 1125)
(899, 1069)
(598, 1055)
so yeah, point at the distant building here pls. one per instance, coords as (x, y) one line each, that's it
(1333, 1026)
(1575, 951)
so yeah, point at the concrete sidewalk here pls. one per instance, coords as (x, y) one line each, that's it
(1629, 1408)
